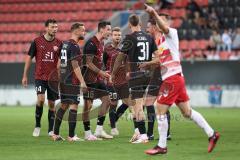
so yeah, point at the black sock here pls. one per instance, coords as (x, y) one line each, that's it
(72, 121)
(168, 119)
(121, 109)
(135, 123)
(86, 125)
(112, 116)
(51, 117)
(151, 119)
(100, 120)
(38, 115)
(58, 120)
(141, 127)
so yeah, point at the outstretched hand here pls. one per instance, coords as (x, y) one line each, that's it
(149, 9)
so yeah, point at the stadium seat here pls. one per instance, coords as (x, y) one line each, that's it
(177, 23)
(224, 55)
(183, 45)
(180, 3)
(203, 44)
(202, 2)
(193, 45)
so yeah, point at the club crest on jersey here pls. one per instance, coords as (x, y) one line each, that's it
(55, 48)
(161, 49)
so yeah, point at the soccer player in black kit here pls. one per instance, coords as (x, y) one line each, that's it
(70, 77)
(138, 47)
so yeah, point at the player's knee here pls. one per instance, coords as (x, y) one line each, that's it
(64, 106)
(105, 99)
(40, 99)
(113, 104)
(74, 107)
(140, 116)
(40, 102)
(51, 105)
(187, 114)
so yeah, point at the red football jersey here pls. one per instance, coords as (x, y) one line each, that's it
(110, 55)
(46, 54)
(93, 47)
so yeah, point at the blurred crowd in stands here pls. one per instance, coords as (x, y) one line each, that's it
(215, 23)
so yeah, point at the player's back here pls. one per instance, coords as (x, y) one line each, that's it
(69, 51)
(140, 48)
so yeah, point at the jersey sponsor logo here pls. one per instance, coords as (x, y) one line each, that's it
(48, 57)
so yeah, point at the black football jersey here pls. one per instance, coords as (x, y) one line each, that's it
(70, 51)
(139, 47)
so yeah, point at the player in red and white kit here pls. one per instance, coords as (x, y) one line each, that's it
(46, 50)
(173, 88)
(155, 83)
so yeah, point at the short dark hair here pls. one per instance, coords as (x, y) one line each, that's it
(152, 21)
(50, 21)
(134, 20)
(116, 29)
(103, 24)
(76, 26)
(165, 15)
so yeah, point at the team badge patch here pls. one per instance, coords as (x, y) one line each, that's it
(55, 48)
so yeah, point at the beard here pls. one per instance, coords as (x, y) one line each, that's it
(81, 38)
(52, 34)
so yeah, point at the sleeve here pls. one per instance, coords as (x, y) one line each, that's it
(32, 50)
(74, 52)
(172, 33)
(105, 58)
(90, 48)
(126, 45)
(153, 46)
(173, 36)
(59, 49)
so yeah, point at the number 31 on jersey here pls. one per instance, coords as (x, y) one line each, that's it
(144, 49)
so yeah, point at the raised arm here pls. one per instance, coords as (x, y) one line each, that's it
(160, 22)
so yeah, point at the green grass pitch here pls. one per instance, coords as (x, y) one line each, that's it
(188, 143)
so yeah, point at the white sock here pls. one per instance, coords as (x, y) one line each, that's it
(99, 128)
(202, 123)
(162, 129)
(136, 130)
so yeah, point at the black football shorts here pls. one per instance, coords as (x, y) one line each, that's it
(51, 87)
